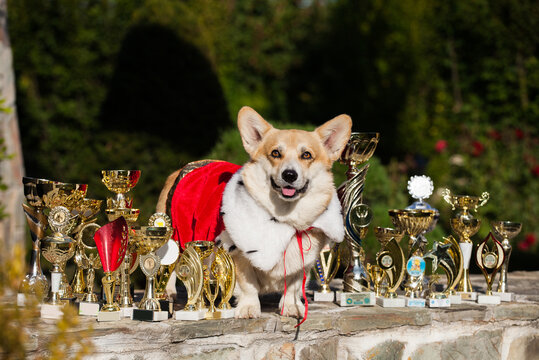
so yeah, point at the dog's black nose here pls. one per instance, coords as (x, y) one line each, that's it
(289, 175)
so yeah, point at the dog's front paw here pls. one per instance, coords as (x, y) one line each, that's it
(248, 309)
(293, 310)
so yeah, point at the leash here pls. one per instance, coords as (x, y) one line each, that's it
(299, 238)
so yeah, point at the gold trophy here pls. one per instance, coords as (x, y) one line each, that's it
(391, 260)
(120, 182)
(440, 255)
(377, 276)
(506, 230)
(211, 290)
(490, 261)
(326, 267)
(34, 283)
(224, 270)
(192, 272)
(465, 225)
(87, 258)
(414, 222)
(357, 216)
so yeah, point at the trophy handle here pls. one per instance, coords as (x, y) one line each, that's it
(446, 194)
(484, 198)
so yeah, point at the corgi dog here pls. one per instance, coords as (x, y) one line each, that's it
(273, 215)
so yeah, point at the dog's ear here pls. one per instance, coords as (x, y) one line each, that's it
(335, 134)
(252, 129)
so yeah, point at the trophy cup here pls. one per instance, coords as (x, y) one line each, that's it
(391, 260)
(326, 267)
(87, 258)
(414, 223)
(224, 271)
(111, 242)
(377, 276)
(211, 290)
(191, 271)
(506, 230)
(357, 216)
(440, 255)
(120, 182)
(34, 283)
(490, 261)
(465, 225)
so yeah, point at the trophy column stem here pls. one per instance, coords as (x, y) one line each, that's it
(56, 278)
(125, 283)
(465, 284)
(109, 282)
(90, 296)
(149, 302)
(35, 259)
(78, 281)
(502, 285)
(354, 278)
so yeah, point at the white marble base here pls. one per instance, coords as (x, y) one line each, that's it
(228, 314)
(437, 303)
(189, 315)
(468, 295)
(488, 299)
(109, 316)
(21, 299)
(49, 311)
(88, 308)
(503, 296)
(365, 298)
(127, 311)
(390, 302)
(415, 302)
(324, 297)
(455, 299)
(149, 315)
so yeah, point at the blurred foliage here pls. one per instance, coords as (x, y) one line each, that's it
(152, 85)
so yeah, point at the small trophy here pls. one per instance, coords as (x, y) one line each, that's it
(506, 230)
(440, 255)
(211, 290)
(391, 260)
(111, 242)
(168, 254)
(326, 267)
(224, 270)
(465, 225)
(87, 258)
(120, 182)
(377, 276)
(490, 261)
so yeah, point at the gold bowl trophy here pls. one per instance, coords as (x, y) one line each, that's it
(391, 260)
(111, 242)
(465, 225)
(192, 272)
(506, 230)
(414, 223)
(326, 267)
(120, 182)
(34, 283)
(490, 261)
(87, 258)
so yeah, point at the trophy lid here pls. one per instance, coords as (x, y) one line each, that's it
(111, 242)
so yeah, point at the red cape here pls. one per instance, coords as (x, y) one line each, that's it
(196, 202)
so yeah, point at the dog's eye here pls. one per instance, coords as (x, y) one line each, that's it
(276, 154)
(306, 156)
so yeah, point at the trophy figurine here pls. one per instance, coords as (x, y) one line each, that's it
(414, 223)
(465, 225)
(506, 230)
(34, 283)
(440, 255)
(490, 261)
(111, 242)
(357, 217)
(87, 258)
(326, 267)
(391, 260)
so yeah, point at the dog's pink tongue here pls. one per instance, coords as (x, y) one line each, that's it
(289, 191)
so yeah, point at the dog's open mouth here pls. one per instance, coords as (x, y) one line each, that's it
(288, 192)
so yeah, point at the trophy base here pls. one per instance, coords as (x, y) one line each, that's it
(189, 315)
(390, 302)
(149, 315)
(324, 296)
(88, 308)
(227, 313)
(49, 311)
(504, 296)
(127, 311)
(415, 302)
(365, 298)
(167, 306)
(455, 299)
(213, 315)
(468, 295)
(103, 316)
(488, 299)
(438, 303)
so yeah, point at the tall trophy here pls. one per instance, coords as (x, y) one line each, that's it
(465, 225)
(357, 216)
(391, 260)
(34, 283)
(326, 267)
(414, 223)
(505, 230)
(111, 242)
(490, 261)
(87, 258)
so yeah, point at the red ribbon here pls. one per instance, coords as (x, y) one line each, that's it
(299, 238)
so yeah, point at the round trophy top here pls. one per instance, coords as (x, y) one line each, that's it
(384, 235)
(148, 238)
(55, 193)
(415, 266)
(130, 215)
(169, 252)
(88, 208)
(412, 221)
(506, 229)
(160, 220)
(120, 181)
(30, 190)
(360, 147)
(420, 187)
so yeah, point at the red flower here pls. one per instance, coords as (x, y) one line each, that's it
(478, 148)
(528, 241)
(440, 146)
(535, 170)
(519, 133)
(494, 134)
